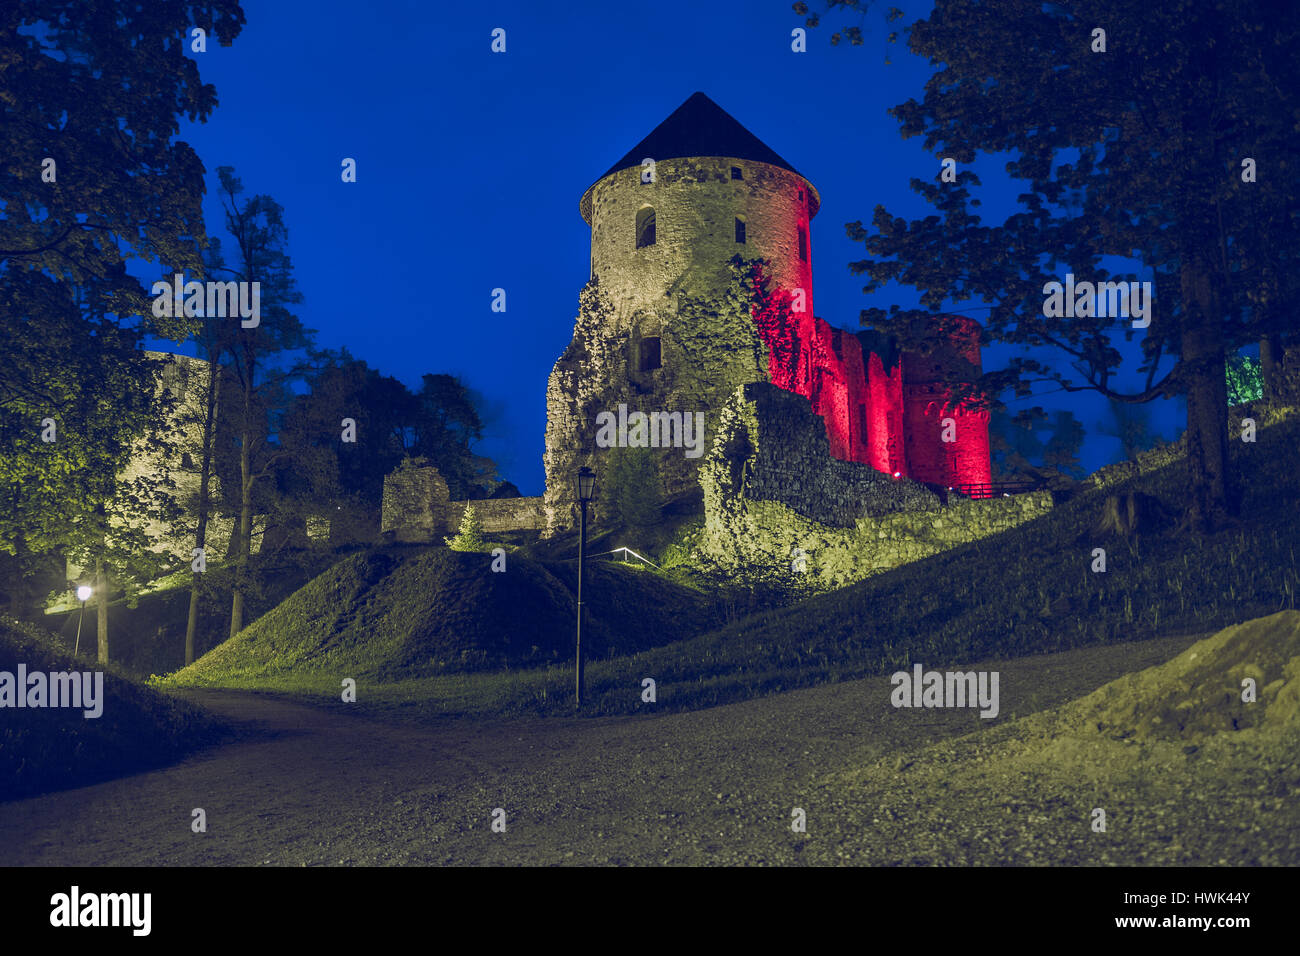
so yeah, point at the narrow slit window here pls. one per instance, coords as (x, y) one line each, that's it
(803, 244)
(737, 173)
(645, 227)
(740, 229)
(650, 356)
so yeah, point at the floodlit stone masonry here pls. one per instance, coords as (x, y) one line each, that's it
(772, 492)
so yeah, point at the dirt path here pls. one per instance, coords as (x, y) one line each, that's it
(314, 786)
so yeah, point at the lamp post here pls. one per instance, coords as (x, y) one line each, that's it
(586, 486)
(83, 593)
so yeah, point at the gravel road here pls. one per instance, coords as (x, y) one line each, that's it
(313, 786)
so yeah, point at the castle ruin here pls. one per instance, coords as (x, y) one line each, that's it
(658, 329)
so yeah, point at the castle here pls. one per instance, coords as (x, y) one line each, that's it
(654, 332)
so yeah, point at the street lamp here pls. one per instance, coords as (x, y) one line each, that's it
(83, 594)
(586, 487)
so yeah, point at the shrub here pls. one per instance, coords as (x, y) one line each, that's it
(631, 487)
(470, 535)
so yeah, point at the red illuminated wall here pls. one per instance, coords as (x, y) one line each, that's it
(889, 418)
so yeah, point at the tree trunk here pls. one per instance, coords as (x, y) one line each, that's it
(101, 630)
(1270, 366)
(1210, 501)
(1129, 514)
(245, 517)
(205, 474)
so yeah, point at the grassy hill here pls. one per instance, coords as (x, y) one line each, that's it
(1028, 591)
(150, 637)
(47, 748)
(401, 612)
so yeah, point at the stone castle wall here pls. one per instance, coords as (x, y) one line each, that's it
(772, 446)
(417, 508)
(772, 493)
(500, 514)
(415, 504)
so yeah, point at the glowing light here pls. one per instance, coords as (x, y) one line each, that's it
(898, 474)
(84, 593)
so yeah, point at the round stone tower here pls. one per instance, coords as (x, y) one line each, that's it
(666, 220)
(701, 188)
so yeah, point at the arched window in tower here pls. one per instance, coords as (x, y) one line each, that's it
(803, 244)
(645, 227)
(740, 229)
(650, 357)
(737, 173)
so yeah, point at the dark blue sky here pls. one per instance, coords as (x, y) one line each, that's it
(471, 165)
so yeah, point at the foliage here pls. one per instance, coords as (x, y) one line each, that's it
(631, 487)
(470, 535)
(1131, 424)
(1245, 380)
(1019, 448)
(74, 319)
(446, 423)
(1135, 155)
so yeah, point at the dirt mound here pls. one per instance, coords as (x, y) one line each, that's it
(393, 613)
(1200, 692)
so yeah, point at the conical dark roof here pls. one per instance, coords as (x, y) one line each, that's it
(699, 127)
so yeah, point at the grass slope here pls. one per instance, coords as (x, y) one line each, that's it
(52, 748)
(1028, 591)
(395, 612)
(150, 637)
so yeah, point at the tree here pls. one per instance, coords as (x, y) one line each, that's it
(446, 426)
(213, 339)
(380, 415)
(259, 359)
(92, 177)
(1166, 151)
(470, 535)
(1019, 451)
(1131, 424)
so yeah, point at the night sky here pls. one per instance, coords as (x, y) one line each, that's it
(470, 166)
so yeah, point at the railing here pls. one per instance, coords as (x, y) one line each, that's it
(994, 489)
(627, 555)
